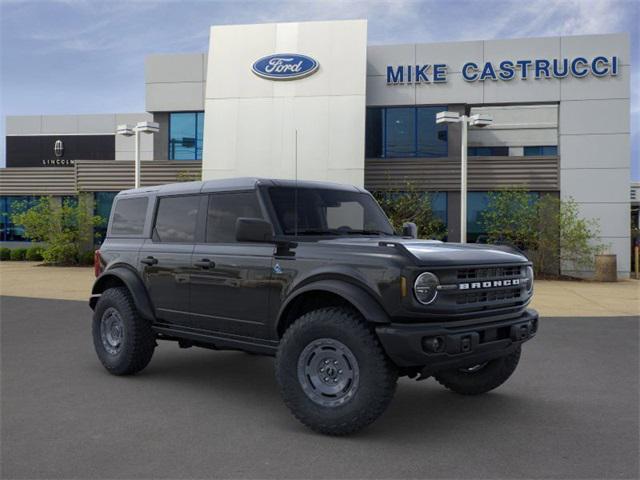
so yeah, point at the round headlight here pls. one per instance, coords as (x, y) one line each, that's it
(530, 279)
(425, 288)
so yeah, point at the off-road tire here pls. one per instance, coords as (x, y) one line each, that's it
(490, 376)
(377, 375)
(138, 340)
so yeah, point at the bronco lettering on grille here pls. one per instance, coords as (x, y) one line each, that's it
(489, 284)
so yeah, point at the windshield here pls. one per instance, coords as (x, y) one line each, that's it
(328, 212)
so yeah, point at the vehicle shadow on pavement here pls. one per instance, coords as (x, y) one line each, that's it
(249, 380)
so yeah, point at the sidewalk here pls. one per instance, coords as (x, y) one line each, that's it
(552, 298)
(31, 279)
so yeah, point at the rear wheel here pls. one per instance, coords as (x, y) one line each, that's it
(481, 378)
(332, 372)
(124, 341)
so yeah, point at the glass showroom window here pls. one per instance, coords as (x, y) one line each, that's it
(103, 201)
(439, 205)
(9, 232)
(405, 132)
(477, 204)
(541, 151)
(185, 135)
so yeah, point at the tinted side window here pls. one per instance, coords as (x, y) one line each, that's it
(224, 210)
(129, 215)
(176, 219)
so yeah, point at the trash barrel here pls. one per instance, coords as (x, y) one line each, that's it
(606, 268)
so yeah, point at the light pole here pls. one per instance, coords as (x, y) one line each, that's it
(128, 131)
(477, 120)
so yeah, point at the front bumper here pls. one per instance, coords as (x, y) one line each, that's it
(456, 344)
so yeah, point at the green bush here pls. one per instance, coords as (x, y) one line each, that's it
(34, 254)
(548, 228)
(5, 253)
(65, 228)
(18, 254)
(407, 204)
(86, 258)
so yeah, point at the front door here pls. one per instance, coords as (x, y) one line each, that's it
(166, 257)
(231, 283)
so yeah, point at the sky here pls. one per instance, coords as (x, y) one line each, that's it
(87, 56)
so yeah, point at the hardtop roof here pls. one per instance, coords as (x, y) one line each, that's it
(231, 184)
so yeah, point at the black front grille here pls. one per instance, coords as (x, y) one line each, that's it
(489, 296)
(491, 272)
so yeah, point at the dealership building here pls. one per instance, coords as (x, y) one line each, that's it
(312, 100)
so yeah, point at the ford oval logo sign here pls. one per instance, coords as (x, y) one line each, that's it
(285, 66)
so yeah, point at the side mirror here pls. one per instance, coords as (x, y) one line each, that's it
(410, 229)
(255, 230)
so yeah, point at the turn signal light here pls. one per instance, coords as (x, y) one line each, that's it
(97, 263)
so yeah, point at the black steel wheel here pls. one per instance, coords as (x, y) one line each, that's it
(328, 372)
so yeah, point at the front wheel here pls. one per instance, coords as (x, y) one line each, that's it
(332, 372)
(477, 379)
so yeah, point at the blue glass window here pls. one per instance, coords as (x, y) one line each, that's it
(400, 138)
(439, 205)
(405, 132)
(10, 232)
(488, 151)
(103, 201)
(541, 151)
(432, 137)
(477, 203)
(185, 135)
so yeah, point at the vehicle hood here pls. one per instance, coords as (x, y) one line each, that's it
(436, 253)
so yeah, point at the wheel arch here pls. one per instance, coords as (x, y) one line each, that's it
(325, 293)
(122, 276)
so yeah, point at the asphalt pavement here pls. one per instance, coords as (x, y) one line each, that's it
(569, 411)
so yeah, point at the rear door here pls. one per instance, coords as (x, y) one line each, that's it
(230, 289)
(166, 257)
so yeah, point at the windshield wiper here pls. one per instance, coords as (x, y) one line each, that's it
(311, 231)
(364, 232)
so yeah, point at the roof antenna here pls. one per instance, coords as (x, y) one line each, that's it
(295, 190)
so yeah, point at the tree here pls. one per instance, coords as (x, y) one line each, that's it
(66, 228)
(510, 217)
(549, 229)
(407, 204)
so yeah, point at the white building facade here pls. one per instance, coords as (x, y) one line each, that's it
(312, 100)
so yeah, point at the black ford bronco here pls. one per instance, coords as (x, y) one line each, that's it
(314, 274)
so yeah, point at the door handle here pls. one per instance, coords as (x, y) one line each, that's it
(149, 261)
(204, 263)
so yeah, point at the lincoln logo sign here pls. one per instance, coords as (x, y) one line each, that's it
(58, 148)
(505, 70)
(494, 283)
(285, 66)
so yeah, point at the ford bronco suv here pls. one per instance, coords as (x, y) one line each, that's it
(313, 274)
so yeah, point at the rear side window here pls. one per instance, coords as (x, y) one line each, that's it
(176, 219)
(129, 215)
(224, 210)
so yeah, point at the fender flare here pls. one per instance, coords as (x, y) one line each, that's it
(132, 281)
(362, 300)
